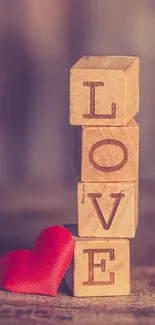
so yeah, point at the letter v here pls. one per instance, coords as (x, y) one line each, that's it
(116, 196)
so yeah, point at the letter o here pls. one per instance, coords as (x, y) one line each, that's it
(110, 168)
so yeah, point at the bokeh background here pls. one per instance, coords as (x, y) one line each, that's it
(39, 42)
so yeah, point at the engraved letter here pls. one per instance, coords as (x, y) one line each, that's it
(108, 169)
(102, 266)
(117, 197)
(92, 114)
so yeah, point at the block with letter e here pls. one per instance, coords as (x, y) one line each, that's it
(100, 267)
(104, 90)
(109, 153)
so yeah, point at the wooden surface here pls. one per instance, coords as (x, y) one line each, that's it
(24, 211)
(107, 209)
(104, 90)
(110, 154)
(136, 309)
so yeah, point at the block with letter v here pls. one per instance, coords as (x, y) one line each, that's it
(107, 209)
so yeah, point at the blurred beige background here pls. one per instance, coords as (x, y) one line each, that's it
(39, 42)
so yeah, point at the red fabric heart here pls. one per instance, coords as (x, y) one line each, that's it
(41, 269)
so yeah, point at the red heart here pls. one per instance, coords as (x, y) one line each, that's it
(41, 269)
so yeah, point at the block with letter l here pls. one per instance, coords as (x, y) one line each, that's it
(104, 90)
(100, 267)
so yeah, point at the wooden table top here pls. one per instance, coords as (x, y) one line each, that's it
(137, 309)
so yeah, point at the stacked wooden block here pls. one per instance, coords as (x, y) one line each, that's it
(104, 98)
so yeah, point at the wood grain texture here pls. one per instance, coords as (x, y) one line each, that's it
(107, 209)
(110, 154)
(104, 90)
(101, 267)
(137, 309)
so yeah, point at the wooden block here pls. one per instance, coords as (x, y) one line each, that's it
(107, 209)
(100, 267)
(77, 139)
(104, 90)
(110, 154)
